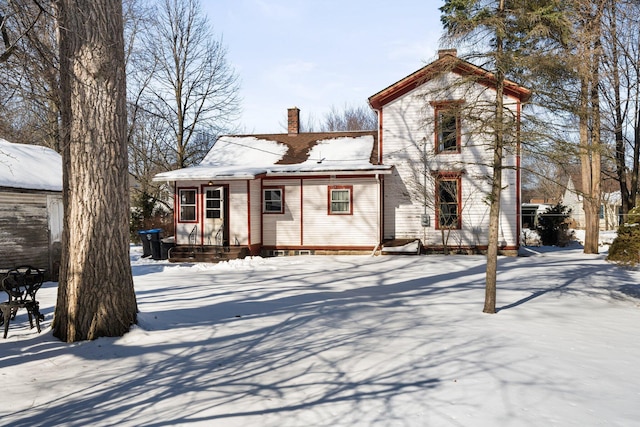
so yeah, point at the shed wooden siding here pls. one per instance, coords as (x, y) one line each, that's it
(407, 126)
(24, 231)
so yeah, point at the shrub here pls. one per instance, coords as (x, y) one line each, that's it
(625, 248)
(553, 226)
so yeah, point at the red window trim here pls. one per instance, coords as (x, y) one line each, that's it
(439, 106)
(340, 187)
(179, 203)
(273, 187)
(448, 176)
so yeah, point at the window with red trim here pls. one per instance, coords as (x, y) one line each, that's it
(447, 126)
(448, 202)
(187, 199)
(273, 200)
(341, 200)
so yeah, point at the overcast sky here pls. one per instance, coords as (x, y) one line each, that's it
(315, 54)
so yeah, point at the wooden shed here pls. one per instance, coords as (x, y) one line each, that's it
(31, 211)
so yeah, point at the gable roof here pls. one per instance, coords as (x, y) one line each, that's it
(448, 61)
(29, 167)
(249, 156)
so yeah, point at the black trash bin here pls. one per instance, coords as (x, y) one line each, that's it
(165, 245)
(146, 243)
(154, 237)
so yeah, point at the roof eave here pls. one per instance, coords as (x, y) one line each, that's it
(343, 172)
(446, 63)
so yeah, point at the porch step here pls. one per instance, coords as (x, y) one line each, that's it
(207, 253)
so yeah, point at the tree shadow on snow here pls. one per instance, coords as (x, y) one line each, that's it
(264, 353)
(285, 345)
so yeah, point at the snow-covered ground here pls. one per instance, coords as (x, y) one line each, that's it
(345, 341)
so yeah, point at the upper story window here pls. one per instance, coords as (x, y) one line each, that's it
(187, 205)
(273, 200)
(447, 126)
(340, 200)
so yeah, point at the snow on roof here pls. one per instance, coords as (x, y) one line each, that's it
(245, 151)
(245, 157)
(343, 150)
(30, 167)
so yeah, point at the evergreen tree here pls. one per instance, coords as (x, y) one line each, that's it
(553, 226)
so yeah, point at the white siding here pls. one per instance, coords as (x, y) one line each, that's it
(238, 213)
(408, 143)
(184, 229)
(284, 229)
(306, 221)
(256, 212)
(324, 230)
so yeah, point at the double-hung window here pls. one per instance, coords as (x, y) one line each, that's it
(448, 201)
(340, 200)
(187, 205)
(273, 200)
(447, 126)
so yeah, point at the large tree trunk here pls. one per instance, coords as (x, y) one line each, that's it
(496, 181)
(590, 145)
(95, 294)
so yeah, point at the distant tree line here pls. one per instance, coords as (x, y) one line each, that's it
(181, 91)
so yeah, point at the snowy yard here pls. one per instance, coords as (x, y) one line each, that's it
(345, 341)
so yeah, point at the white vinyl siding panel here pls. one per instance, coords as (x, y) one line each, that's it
(256, 212)
(238, 213)
(306, 221)
(283, 229)
(237, 220)
(184, 229)
(324, 230)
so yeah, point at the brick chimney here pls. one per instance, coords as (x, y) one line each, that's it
(444, 52)
(293, 118)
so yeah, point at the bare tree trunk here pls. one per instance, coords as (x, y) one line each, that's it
(590, 146)
(496, 182)
(95, 294)
(636, 160)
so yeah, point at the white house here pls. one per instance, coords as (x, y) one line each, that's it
(282, 193)
(359, 191)
(610, 203)
(439, 189)
(31, 212)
